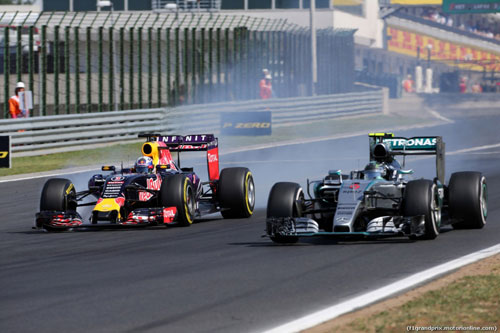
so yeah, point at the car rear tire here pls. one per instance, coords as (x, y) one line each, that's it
(283, 202)
(236, 193)
(421, 197)
(468, 200)
(58, 194)
(177, 191)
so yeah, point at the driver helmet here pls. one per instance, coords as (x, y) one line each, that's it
(144, 164)
(374, 170)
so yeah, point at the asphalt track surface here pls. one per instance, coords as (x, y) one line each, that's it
(220, 275)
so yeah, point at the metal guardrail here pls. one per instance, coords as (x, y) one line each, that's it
(285, 112)
(66, 131)
(49, 132)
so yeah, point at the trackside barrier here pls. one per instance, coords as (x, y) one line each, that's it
(285, 112)
(81, 129)
(87, 129)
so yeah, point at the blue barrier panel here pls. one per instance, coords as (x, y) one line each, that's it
(246, 123)
(5, 152)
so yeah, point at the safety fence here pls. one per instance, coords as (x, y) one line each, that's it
(42, 133)
(132, 61)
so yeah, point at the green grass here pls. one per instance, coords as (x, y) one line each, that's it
(105, 155)
(128, 152)
(469, 301)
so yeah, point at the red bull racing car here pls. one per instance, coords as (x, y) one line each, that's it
(155, 191)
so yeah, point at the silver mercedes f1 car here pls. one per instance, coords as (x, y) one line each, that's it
(381, 200)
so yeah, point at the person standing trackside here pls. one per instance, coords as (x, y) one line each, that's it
(266, 87)
(14, 105)
(408, 84)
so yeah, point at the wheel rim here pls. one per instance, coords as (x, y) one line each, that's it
(435, 209)
(249, 193)
(484, 200)
(189, 202)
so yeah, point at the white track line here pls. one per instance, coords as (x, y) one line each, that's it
(472, 149)
(361, 301)
(437, 115)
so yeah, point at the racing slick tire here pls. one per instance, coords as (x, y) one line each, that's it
(282, 202)
(177, 191)
(468, 200)
(58, 194)
(236, 193)
(421, 197)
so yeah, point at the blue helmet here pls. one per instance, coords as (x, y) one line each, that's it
(144, 164)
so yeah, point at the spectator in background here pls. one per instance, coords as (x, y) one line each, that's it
(462, 86)
(476, 88)
(266, 87)
(14, 105)
(408, 84)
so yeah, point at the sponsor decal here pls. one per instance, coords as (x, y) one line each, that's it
(169, 214)
(144, 196)
(117, 178)
(5, 155)
(354, 186)
(198, 138)
(412, 144)
(213, 163)
(460, 55)
(247, 123)
(112, 189)
(120, 201)
(204, 146)
(212, 158)
(151, 184)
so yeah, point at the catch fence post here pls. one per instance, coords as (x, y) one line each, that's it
(210, 64)
(111, 70)
(193, 66)
(218, 62)
(150, 67)
(19, 54)
(158, 66)
(31, 62)
(89, 69)
(56, 69)
(167, 51)
(226, 65)
(122, 69)
(131, 69)
(43, 72)
(100, 61)
(186, 90)
(201, 85)
(66, 69)
(177, 67)
(139, 63)
(77, 69)
(6, 72)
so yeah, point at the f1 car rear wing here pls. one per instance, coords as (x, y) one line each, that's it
(421, 145)
(195, 142)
